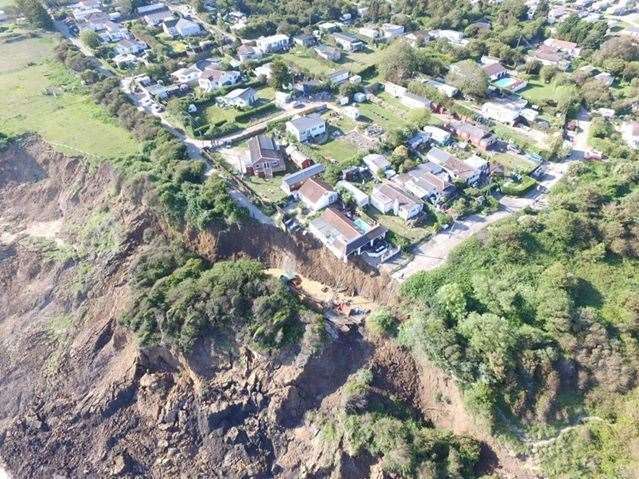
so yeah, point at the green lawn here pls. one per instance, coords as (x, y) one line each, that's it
(356, 61)
(267, 93)
(399, 226)
(306, 59)
(6, 3)
(38, 94)
(338, 150)
(340, 122)
(515, 163)
(539, 93)
(216, 113)
(268, 189)
(389, 114)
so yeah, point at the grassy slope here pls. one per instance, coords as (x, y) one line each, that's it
(38, 94)
(603, 282)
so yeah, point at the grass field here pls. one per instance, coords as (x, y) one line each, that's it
(338, 150)
(515, 163)
(268, 189)
(6, 3)
(539, 93)
(306, 59)
(390, 114)
(38, 94)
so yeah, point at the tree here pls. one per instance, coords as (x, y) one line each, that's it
(469, 78)
(451, 298)
(596, 94)
(398, 62)
(280, 75)
(90, 39)
(532, 67)
(35, 13)
(622, 47)
(547, 73)
(493, 339)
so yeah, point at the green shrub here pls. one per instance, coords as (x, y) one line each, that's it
(381, 323)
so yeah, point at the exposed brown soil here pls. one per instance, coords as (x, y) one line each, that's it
(79, 398)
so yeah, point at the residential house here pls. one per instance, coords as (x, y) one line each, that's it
(264, 157)
(495, 71)
(152, 7)
(316, 194)
(502, 112)
(429, 182)
(126, 60)
(298, 158)
(187, 76)
(570, 48)
(391, 31)
(95, 21)
(247, 53)
(348, 42)
(156, 14)
(550, 56)
(412, 100)
(407, 98)
(328, 53)
(443, 88)
(369, 32)
(114, 32)
(475, 134)
(307, 127)
(208, 63)
(273, 43)
(417, 140)
(304, 40)
(387, 197)
(132, 47)
(239, 98)
(181, 27)
(456, 168)
(293, 181)
(417, 39)
(337, 77)
(438, 135)
(329, 27)
(161, 92)
(376, 163)
(212, 79)
(361, 199)
(344, 236)
(452, 36)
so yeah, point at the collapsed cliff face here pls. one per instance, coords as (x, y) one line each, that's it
(79, 397)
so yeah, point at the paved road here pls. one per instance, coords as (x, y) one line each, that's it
(434, 252)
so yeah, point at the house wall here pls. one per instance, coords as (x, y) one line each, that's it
(382, 204)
